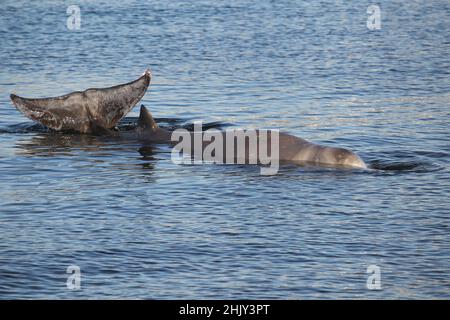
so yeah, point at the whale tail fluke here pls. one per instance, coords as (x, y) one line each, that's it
(83, 111)
(52, 112)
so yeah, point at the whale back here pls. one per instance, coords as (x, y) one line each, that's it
(308, 152)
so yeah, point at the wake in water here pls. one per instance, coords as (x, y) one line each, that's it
(408, 161)
(399, 165)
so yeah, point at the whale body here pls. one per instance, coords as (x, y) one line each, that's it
(289, 147)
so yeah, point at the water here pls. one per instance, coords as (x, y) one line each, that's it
(140, 226)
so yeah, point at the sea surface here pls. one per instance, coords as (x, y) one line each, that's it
(139, 226)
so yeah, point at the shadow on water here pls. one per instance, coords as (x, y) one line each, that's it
(128, 123)
(24, 127)
(49, 144)
(45, 142)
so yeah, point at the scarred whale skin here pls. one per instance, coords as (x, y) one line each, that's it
(85, 111)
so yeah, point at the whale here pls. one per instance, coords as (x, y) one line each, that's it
(289, 148)
(98, 111)
(88, 111)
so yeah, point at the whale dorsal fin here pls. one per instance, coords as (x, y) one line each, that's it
(146, 120)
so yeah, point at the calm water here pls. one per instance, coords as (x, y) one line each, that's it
(140, 226)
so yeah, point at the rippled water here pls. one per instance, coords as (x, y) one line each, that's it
(140, 226)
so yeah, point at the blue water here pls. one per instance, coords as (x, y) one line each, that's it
(140, 226)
